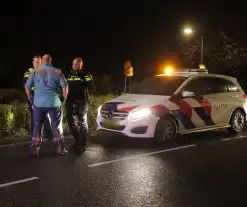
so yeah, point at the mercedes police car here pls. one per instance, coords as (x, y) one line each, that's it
(175, 103)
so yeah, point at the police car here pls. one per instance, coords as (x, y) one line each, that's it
(176, 102)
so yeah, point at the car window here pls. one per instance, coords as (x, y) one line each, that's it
(232, 87)
(216, 85)
(197, 86)
(210, 85)
(219, 85)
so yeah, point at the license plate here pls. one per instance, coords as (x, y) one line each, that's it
(111, 123)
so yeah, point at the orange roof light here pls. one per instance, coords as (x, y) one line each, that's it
(168, 70)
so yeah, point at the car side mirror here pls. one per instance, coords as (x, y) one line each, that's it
(187, 94)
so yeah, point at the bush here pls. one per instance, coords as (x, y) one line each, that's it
(15, 119)
(12, 96)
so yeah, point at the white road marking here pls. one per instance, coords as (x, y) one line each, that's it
(141, 155)
(228, 139)
(18, 181)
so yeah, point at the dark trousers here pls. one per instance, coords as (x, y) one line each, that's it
(77, 121)
(31, 114)
(46, 128)
(39, 115)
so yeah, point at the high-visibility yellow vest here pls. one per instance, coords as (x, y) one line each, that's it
(27, 75)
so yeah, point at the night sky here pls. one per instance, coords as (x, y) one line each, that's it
(104, 33)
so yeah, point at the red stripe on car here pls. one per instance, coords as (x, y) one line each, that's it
(128, 109)
(184, 107)
(205, 104)
(160, 110)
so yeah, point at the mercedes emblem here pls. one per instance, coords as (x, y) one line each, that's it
(110, 114)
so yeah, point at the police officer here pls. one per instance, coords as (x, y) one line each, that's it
(36, 64)
(47, 81)
(77, 103)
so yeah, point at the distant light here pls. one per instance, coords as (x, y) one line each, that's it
(202, 66)
(188, 31)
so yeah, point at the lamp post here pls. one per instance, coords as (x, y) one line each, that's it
(202, 50)
(189, 31)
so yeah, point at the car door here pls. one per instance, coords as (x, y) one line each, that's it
(218, 92)
(196, 107)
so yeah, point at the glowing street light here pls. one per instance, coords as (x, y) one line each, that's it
(187, 31)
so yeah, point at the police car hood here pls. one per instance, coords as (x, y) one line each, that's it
(129, 102)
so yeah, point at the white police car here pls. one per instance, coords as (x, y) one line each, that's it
(176, 103)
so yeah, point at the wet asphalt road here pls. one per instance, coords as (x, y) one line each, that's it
(206, 169)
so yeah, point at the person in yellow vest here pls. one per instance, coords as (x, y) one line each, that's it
(46, 128)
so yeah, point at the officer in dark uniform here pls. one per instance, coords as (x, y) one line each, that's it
(80, 83)
(46, 128)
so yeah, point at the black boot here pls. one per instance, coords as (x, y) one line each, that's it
(34, 154)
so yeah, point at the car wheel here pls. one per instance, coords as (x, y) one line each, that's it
(166, 129)
(237, 121)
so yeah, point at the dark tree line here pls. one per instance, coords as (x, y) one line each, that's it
(224, 54)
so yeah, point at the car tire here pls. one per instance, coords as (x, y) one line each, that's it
(237, 121)
(166, 129)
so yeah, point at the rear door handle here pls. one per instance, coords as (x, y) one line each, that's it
(209, 99)
(236, 96)
(204, 99)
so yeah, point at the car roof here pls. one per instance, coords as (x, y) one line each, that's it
(195, 73)
(184, 72)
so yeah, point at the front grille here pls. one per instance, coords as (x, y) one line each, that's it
(114, 115)
(118, 128)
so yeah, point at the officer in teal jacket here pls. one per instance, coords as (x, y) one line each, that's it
(47, 81)
(36, 64)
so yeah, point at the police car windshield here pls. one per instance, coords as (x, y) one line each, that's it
(159, 85)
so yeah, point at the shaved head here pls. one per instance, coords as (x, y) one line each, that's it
(77, 63)
(46, 59)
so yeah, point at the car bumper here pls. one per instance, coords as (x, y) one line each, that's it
(142, 128)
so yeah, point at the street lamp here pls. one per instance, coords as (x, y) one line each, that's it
(188, 31)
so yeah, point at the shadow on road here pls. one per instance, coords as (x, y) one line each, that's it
(109, 140)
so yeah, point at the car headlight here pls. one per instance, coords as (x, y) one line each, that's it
(140, 113)
(99, 109)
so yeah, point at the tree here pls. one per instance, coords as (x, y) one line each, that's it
(223, 55)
